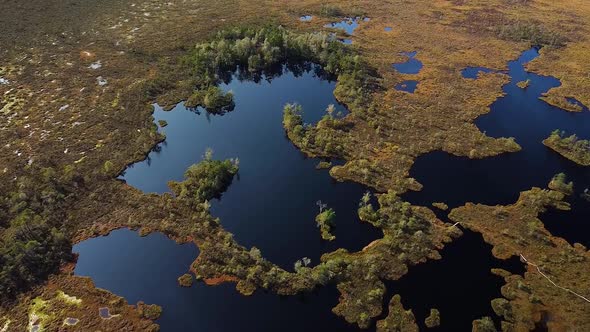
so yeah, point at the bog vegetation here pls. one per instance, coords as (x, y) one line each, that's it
(205, 180)
(531, 32)
(570, 147)
(325, 222)
(33, 241)
(256, 52)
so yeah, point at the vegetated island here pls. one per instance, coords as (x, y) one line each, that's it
(325, 221)
(186, 280)
(571, 147)
(559, 183)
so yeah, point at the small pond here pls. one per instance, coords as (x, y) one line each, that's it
(407, 86)
(411, 66)
(348, 25)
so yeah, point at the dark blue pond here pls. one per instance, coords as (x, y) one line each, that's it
(522, 115)
(410, 66)
(463, 279)
(407, 86)
(348, 25)
(272, 202)
(146, 269)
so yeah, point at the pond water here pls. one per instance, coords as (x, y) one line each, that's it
(306, 18)
(499, 180)
(407, 86)
(272, 205)
(473, 72)
(146, 269)
(463, 272)
(348, 25)
(411, 66)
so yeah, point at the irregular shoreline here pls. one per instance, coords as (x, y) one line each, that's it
(89, 125)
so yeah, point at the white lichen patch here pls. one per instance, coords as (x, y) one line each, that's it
(95, 65)
(69, 298)
(70, 321)
(4, 81)
(37, 315)
(101, 81)
(6, 325)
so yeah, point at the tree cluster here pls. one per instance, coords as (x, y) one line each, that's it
(33, 243)
(255, 52)
(205, 180)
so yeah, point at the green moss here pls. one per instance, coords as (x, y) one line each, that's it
(246, 288)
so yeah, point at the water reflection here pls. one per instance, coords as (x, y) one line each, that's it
(410, 66)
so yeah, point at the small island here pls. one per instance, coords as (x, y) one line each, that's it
(523, 84)
(325, 221)
(441, 206)
(323, 165)
(433, 320)
(570, 147)
(559, 183)
(185, 280)
(205, 180)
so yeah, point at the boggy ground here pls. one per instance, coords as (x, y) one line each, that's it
(553, 293)
(69, 302)
(58, 111)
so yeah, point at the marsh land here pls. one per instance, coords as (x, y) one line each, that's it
(295, 165)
